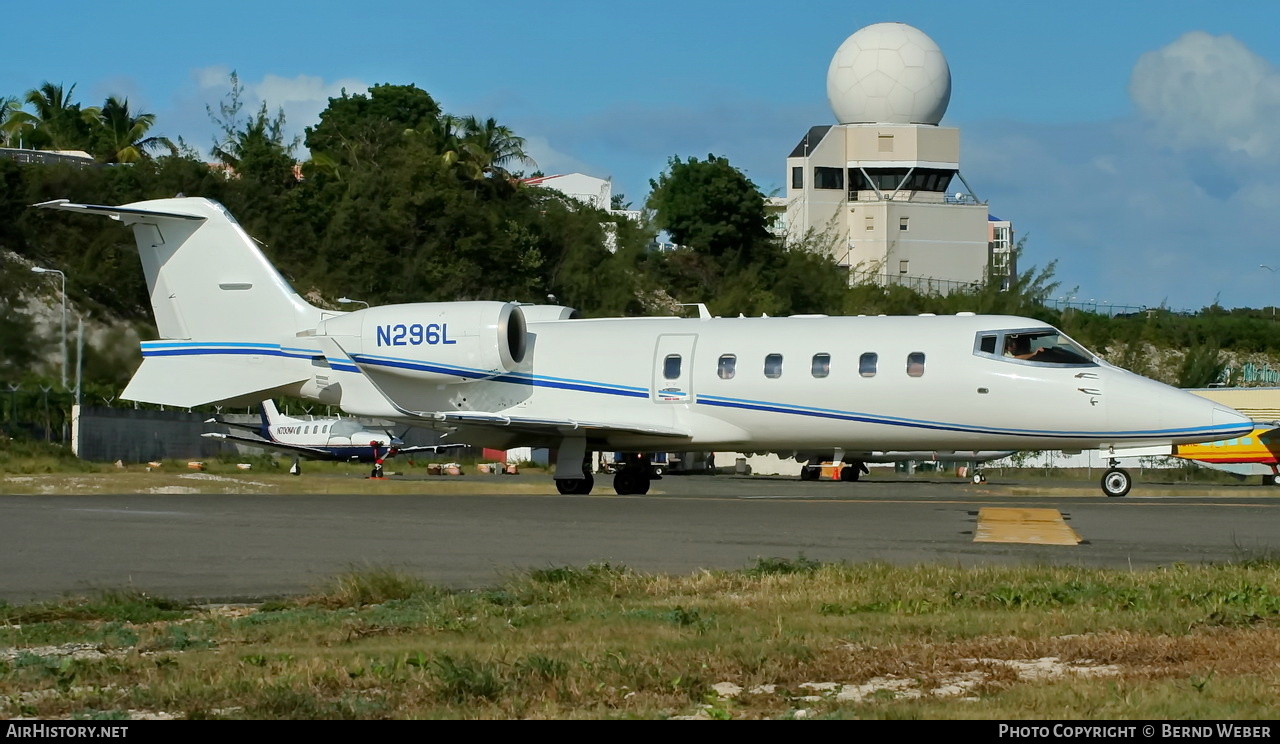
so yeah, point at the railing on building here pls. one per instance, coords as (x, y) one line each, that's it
(44, 157)
(926, 285)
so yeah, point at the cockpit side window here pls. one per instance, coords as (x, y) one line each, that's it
(1035, 346)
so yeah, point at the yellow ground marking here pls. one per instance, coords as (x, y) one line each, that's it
(1034, 526)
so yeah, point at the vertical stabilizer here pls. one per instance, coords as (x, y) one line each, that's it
(207, 278)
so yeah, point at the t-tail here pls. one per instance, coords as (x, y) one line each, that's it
(225, 316)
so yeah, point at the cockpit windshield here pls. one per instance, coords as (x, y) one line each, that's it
(1035, 345)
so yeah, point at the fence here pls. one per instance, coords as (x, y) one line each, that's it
(138, 435)
(36, 412)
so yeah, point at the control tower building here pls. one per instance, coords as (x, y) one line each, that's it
(882, 186)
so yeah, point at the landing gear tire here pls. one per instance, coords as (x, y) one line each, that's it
(629, 482)
(575, 486)
(850, 472)
(809, 472)
(1116, 482)
(979, 478)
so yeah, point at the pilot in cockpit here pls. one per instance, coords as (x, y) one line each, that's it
(1019, 347)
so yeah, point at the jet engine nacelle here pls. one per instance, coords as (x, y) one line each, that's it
(447, 342)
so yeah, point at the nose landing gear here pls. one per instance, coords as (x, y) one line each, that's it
(1116, 482)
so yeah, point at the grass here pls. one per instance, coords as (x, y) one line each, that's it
(783, 638)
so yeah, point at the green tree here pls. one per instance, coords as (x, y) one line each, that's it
(58, 123)
(122, 136)
(494, 146)
(710, 207)
(359, 130)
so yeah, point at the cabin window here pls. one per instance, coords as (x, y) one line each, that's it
(671, 367)
(773, 366)
(987, 344)
(821, 365)
(726, 367)
(325, 430)
(867, 364)
(915, 364)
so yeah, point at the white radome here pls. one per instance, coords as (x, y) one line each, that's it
(889, 73)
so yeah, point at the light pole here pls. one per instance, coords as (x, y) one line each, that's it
(1273, 276)
(348, 300)
(41, 270)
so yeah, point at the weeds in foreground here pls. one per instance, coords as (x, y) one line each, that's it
(784, 638)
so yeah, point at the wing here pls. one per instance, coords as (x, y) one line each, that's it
(428, 448)
(527, 424)
(314, 453)
(534, 425)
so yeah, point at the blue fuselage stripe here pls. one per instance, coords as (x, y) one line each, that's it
(626, 391)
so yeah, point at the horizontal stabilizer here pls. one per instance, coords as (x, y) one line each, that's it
(188, 381)
(124, 214)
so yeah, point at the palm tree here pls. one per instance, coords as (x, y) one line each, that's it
(58, 123)
(9, 108)
(493, 146)
(122, 136)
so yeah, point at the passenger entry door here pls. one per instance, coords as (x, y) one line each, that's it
(673, 368)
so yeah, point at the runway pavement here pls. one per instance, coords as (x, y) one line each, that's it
(240, 547)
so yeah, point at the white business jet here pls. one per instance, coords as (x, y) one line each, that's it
(339, 439)
(501, 374)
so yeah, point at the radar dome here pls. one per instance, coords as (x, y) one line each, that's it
(889, 73)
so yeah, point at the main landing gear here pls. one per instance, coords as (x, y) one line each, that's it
(634, 474)
(1116, 482)
(576, 486)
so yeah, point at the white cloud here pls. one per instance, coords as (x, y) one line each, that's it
(1212, 92)
(302, 98)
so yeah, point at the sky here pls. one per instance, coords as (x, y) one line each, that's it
(1134, 143)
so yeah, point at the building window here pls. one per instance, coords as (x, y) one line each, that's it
(828, 178)
(797, 177)
(821, 365)
(904, 224)
(773, 366)
(885, 141)
(867, 364)
(915, 364)
(904, 267)
(871, 224)
(727, 366)
(671, 367)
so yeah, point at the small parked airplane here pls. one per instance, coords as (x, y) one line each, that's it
(1257, 453)
(502, 374)
(320, 439)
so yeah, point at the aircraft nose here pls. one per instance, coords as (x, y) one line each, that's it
(1231, 421)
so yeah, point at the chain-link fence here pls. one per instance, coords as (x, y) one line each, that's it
(36, 412)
